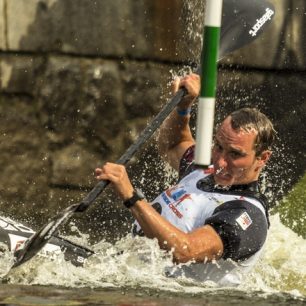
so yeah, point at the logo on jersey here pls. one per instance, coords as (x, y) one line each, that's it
(175, 196)
(244, 221)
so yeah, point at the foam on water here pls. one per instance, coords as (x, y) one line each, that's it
(138, 262)
(283, 267)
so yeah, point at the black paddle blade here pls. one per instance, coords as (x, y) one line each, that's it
(242, 22)
(38, 240)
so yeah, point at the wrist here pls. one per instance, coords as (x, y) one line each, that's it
(136, 196)
(183, 111)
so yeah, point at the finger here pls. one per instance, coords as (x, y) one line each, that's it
(114, 169)
(175, 85)
(194, 76)
(98, 171)
(108, 177)
(192, 84)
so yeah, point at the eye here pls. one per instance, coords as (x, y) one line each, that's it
(217, 146)
(236, 154)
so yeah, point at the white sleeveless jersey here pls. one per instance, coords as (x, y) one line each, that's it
(187, 207)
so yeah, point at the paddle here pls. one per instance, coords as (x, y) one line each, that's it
(238, 28)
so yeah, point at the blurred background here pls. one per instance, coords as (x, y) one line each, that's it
(79, 80)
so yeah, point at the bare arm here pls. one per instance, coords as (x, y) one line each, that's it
(200, 245)
(175, 136)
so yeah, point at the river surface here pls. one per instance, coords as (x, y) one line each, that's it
(135, 277)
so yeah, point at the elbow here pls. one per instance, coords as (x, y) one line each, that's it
(182, 254)
(181, 259)
(182, 250)
(188, 254)
(184, 257)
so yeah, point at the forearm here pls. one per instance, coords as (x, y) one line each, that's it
(175, 135)
(155, 226)
(199, 245)
(152, 223)
(174, 131)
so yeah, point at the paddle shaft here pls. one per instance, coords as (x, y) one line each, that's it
(130, 152)
(41, 237)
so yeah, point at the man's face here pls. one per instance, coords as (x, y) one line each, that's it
(234, 158)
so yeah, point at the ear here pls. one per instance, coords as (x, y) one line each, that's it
(263, 158)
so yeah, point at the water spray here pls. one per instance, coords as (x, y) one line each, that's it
(219, 170)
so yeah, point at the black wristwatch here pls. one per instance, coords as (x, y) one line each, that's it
(137, 196)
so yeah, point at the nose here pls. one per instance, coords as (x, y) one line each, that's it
(221, 161)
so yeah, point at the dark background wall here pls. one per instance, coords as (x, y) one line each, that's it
(80, 79)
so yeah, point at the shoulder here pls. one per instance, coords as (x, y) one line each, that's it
(242, 227)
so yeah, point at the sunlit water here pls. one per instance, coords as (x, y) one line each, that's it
(138, 264)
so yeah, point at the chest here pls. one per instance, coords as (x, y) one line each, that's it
(186, 206)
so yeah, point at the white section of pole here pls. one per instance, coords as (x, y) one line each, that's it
(205, 126)
(213, 13)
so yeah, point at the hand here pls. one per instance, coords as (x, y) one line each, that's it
(191, 83)
(118, 176)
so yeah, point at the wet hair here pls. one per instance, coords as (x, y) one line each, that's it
(251, 119)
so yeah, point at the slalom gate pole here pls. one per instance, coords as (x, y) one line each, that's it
(206, 107)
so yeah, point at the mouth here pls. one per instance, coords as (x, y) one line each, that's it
(222, 174)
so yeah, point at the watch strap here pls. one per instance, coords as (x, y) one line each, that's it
(137, 196)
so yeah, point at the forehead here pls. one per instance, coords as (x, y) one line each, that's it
(239, 139)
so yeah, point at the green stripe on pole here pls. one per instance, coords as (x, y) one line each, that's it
(209, 61)
(206, 109)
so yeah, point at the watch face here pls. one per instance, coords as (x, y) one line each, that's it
(139, 193)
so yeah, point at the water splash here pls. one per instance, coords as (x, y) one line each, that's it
(6, 260)
(283, 267)
(139, 262)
